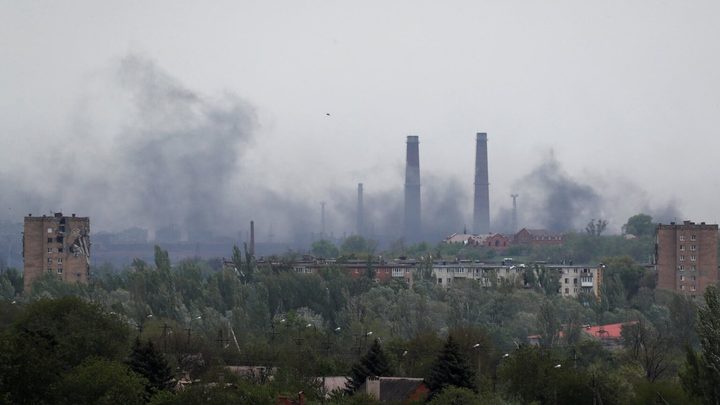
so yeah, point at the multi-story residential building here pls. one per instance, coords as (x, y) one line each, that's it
(384, 270)
(57, 245)
(686, 256)
(574, 279)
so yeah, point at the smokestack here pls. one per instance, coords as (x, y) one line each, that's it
(252, 238)
(481, 202)
(322, 219)
(514, 212)
(360, 213)
(413, 226)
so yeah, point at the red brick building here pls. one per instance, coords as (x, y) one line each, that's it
(497, 241)
(686, 256)
(537, 237)
(57, 245)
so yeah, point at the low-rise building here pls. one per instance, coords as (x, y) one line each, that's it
(538, 237)
(574, 279)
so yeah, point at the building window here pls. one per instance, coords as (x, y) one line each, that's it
(681, 267)
(49, 260)
(682, 238)
(575, 289)
(693, 278)
(682, 248)
(49, 230)
(439, 281)
(575, 271)
(566, 281)
(692, 237)
(693, 247)
(682, 278)
(59, 260)
(50, 250)
(692, 258)
(682, 258)
(49, 240)
(693, 268)
(682, 287)
(575, 281)
(59, 270)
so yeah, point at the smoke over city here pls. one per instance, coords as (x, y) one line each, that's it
(550, 198)
(146, 150)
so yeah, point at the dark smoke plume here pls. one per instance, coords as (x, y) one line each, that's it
(552, 199)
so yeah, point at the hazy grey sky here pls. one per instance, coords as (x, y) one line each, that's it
(624, 94)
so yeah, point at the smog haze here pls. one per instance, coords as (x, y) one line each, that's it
(206, 116)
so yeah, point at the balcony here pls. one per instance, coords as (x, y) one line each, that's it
(586, 281)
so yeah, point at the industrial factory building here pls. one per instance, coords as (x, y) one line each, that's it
(58, 245)
(686, 257)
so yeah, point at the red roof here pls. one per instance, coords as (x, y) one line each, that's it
(610, 331)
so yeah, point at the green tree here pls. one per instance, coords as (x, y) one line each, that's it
(100, 382)
(450, 369)
(357, 245)
(162, 259)
(51, 337)
(373, 364)
(549, 280)
(549, 324)
(325, 249)
(150, 363)
(701, 374)
(648, 347)
(595, 228)
(639, 225)
(456, 396)
(14, 278)
(237, 258)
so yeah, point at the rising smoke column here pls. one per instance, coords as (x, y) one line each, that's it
(181, 148)
(555, 201)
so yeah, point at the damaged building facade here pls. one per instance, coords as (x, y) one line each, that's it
(58, 245)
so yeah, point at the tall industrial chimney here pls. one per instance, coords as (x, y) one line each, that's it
(322, 219)
(514, 212)
(252, 238)
(413, 226)
(360, 212)
(481, 202)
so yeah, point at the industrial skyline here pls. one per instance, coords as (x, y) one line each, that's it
(265, 124)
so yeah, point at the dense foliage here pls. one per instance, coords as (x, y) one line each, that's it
(150, 326)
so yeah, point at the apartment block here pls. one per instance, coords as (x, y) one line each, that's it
(686, 256)
(58, 245)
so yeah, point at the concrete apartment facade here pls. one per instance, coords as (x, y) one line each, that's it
(686, 256)
(574, 279)
(57, 245)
